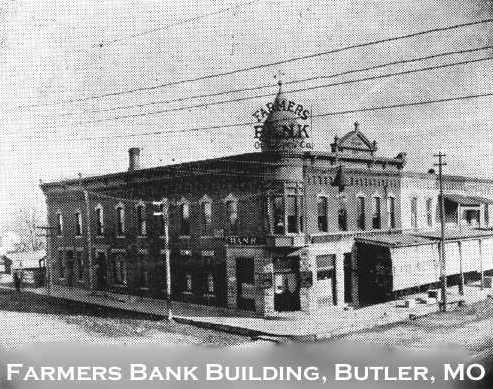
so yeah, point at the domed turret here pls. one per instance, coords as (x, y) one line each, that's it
(286, 127)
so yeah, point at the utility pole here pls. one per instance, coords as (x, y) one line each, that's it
(89, 237)
(443, 267)
(48, 263)
(164, 214)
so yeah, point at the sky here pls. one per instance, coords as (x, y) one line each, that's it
(50, 53)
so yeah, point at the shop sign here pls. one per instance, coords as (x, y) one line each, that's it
(265, 280)
(241, 240)
(306, 279)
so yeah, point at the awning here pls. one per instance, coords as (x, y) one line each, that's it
(463, 200)
(483, 200)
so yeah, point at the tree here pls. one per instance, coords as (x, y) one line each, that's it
(25, 222)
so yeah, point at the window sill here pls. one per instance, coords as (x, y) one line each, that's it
(187, 293)
(120, 236)
(207, 237)
(99, 236)
(78, 236)
(184, 237)
(208, 295)
(145, 288)
(142, 236)
(118, 285)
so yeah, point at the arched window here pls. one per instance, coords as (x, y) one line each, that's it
(78, 223)
(120, 219)
(141, 219)
(206, 215)
(231, 217)
(184, 215)
(99, 220)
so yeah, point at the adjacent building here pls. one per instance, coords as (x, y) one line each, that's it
(283, 229)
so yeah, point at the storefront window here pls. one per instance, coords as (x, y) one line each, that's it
(80, 264)
(210, 283)
(119, 270)
(188, 282)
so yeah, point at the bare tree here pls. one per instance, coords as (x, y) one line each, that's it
(25, 222)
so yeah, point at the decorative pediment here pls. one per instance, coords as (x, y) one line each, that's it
(354, 141)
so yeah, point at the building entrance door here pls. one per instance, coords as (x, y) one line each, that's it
(101, 271)
(245, 289)
(286, 284)
(348, 278)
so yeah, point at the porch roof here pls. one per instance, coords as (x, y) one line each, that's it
(463, 200)
(394, 240)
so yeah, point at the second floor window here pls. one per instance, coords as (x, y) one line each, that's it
(120, 220)
(429, 212)
(206, 217)
(292, 213)
(322, 214)
(342, 217)
(278, 213)
(184, 219)
(391, 201)
(361, 210)
(414, 212)
(377, 213)
(99, 221)
(231, 216)
(59, 223)
(78, 224)
(141, 221)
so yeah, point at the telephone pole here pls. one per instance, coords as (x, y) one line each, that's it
(164, 214)
(89, 237)
(443, 266)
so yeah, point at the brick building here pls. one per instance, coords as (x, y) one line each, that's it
(283, 229)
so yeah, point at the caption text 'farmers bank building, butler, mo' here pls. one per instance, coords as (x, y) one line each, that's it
(283, 229)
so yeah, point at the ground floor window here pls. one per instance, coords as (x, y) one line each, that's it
(326, 279)
(210, 284)
(144, 275)
(79, 260)
(119, 268)
(188, 282)
(61, 265)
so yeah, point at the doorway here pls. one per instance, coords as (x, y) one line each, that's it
(286, 284)
(348, 278)
(245, 284)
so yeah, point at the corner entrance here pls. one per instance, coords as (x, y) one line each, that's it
(245, 284)
(286, 284)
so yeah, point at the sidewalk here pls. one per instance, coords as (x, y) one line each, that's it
(322, 324)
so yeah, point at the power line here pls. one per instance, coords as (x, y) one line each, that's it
(152, 113)
(260, 66)
(236, 100)
(327, 114)
(180, 22)
(400, 62)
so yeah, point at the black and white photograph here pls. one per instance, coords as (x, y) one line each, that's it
(236, 193)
